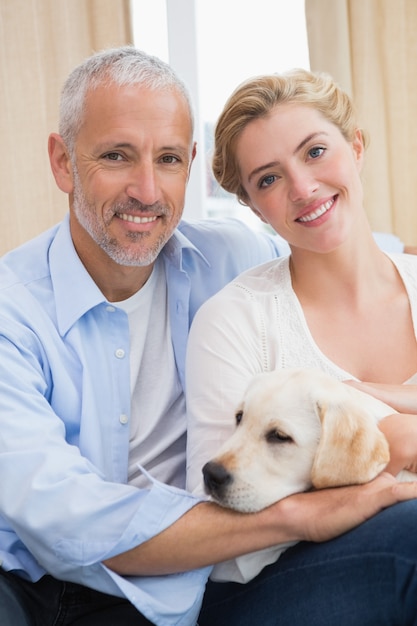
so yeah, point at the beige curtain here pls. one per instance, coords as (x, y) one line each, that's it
(370, 48)
(40, 42)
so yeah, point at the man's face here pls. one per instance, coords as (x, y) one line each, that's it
(132, 160)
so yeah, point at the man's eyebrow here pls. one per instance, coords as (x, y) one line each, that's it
(301, 145)
(175, 148)
(108, 147)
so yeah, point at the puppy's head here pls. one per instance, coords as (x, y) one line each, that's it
(296, 429)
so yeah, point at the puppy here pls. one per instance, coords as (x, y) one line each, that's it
(298, 429)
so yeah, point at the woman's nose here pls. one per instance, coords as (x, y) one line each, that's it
(301, 185)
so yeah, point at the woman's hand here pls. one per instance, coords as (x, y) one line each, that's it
(402, 398)
(400, 431)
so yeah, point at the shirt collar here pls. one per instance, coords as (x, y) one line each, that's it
(175, 246)
(75, 291)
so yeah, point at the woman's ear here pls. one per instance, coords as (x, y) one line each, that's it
(358, 148)
(60, 163)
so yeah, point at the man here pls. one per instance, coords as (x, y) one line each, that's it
(95, 527)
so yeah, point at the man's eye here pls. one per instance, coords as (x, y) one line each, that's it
(316, 152)
(113, 156)
(267, 180)
(170, 158)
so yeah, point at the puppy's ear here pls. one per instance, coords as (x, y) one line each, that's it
(352, 449)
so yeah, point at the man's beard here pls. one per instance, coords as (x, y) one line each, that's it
(136, 252)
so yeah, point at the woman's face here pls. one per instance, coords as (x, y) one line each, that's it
(301, 175)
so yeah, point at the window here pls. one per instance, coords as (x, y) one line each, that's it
(214, 45)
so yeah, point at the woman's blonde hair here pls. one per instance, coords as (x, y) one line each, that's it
(256, 97)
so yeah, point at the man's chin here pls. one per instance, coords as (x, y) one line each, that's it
(133, 258)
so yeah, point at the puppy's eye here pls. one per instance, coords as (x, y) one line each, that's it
(275, 436)
(238, 417)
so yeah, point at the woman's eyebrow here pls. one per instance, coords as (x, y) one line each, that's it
(301, 145)
(307, 139)
(259, 169)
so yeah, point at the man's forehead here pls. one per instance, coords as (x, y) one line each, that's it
(118, 114)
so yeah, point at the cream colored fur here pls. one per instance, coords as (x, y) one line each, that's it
(299, 429)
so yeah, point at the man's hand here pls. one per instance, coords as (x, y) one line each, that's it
(322, 515)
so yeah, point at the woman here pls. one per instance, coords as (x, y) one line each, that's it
(290, 148)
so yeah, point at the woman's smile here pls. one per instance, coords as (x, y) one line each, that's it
(313, 216)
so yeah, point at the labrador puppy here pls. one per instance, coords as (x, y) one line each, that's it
(298, 429)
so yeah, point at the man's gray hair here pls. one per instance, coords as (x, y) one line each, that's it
(123, 66)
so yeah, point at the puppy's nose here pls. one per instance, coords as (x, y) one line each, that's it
(216, 478)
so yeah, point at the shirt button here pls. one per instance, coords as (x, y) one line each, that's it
(123, 419)
(110, 309)
(120, 353)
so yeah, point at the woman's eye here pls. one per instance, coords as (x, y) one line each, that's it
(316, 152)
(267, 180)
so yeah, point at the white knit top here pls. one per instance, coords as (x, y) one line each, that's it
(254, 324)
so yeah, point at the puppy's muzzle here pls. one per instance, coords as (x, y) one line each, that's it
(216, 479)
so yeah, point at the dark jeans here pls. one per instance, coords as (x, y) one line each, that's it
(50, 602)
(367, 577)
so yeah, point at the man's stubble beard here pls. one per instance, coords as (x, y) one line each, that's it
(136, 254)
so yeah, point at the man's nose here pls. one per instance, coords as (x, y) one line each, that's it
(143, 184)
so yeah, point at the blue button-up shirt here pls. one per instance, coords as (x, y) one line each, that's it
(65, 406)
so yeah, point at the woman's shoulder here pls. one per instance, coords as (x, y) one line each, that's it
(265, 277)
(405, 262)
(406, 265)
(243, 295)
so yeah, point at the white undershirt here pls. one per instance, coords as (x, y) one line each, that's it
(158, 420)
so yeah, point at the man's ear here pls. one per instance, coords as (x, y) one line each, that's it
(60, 163)
(193, 155)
